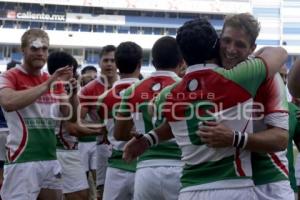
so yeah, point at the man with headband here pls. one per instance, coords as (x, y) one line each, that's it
(29, 107)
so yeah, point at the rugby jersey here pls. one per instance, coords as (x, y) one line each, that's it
(140, 95)
(208, 92)
(294, 130)
(271, 167)
(88, 97)
(108, 105)
(31, 129)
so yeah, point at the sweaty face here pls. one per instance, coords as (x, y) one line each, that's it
(36, 53)
(108, 65)
(235, 47)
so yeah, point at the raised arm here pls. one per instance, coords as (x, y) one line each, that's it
(274, 58)
(294, 79)
(12, 100)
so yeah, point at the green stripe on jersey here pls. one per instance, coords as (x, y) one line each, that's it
(209, 172)
(124, 108)
(194, 120)
(294, 131)
(269, 173)
(41, 145)
(257, 72)
(116, 161)
(166, 150)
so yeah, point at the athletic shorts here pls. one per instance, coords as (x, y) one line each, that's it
(280, 190)
(118, 185)
(104, 151)
(73, 175)
(246, 193)
(23, 181)
(88, 155)
(157, 183)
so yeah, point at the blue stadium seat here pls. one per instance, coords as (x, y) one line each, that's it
(60, 26)
(50, 26)
(123, 29)
(85, 28)
(75, 9)
(16, 56)
(147, 30)
(133, 30)
(35, 25)
(24, 25)
(36, 8)
(74, 27)
(109, 29)
(60, 9)
(85, 9)
(51, 8)
(158, 31)
(8, 24)
(99, 28)
(171, 31)
(92, 58)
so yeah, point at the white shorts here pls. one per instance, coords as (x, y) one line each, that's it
(157, 183)
(118, 185)
(23, 181)
(104, 151)
(224, 194)
(280, 190)
(88, 155)
(3, 136)
(73, 175)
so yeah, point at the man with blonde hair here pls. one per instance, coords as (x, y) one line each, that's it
(29, 107)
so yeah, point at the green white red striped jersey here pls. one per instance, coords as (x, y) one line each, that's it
(88, 97)
(108, 105)
(140, 95)
(271, 167)
(31, 129)
(208, 92)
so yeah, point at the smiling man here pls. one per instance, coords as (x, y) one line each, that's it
(269, 163)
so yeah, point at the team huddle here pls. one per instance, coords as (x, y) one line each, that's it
(212, 122)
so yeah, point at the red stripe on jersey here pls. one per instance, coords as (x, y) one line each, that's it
(210, 88)
(144, 91)
(23, 141)
(237, 157)
(111, 99)
(279, 164)
(91, 91)
(269, 94)
(65, 143)
(239, 163)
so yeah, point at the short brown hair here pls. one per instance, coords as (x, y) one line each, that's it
(34, 32)
(246, 22)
